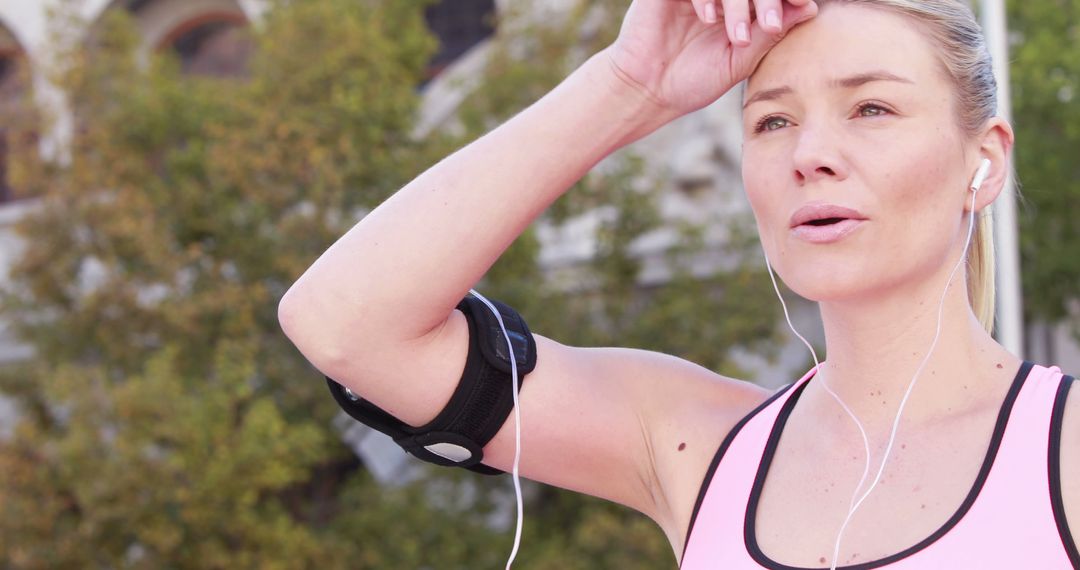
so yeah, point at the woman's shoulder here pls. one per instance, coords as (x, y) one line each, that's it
(709, 406)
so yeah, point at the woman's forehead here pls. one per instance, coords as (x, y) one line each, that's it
(845, 42)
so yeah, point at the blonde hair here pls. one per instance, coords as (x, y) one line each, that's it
(951, 25)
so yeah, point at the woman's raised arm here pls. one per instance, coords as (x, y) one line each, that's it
(393, 280)
(376, 310)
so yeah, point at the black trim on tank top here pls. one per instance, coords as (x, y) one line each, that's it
(750, 537)
(716, 462)
(1054, 464)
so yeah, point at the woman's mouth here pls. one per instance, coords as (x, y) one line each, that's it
(826, 230)
(818, 222)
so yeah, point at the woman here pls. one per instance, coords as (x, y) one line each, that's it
(863, 129)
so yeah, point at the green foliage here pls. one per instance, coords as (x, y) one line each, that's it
(1045, 69)
(154, 471)
(167, 423)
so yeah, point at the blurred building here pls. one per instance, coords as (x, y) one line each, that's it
(701, 151)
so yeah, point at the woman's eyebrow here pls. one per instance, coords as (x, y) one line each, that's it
(849, 82)
(864, 78)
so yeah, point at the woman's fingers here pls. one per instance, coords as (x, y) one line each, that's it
(737, 21)
(762, 43)
(706, 10)
(711, 13)
(737, 15)
(797, 13)
(769, 15)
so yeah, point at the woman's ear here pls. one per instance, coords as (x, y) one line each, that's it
(995, 144)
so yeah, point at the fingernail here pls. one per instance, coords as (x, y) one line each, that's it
(772, 20)
(742, 33)
(710, 13)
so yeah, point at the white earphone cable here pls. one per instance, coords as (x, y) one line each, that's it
(976, 183)
(817, 368)
(517, 430)
(911, 386)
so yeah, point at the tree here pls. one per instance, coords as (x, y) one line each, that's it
(166, 420)
(1045, 70)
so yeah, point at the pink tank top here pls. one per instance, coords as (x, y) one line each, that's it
(1012, 518)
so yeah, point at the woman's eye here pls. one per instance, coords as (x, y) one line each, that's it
(770, 124)
(776, 122)
(872, 110)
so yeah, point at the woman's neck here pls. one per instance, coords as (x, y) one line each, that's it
(875, 348)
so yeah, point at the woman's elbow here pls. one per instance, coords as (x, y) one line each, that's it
(311, 331)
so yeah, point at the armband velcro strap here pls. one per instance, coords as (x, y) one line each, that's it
(492, 342)
(480, 404)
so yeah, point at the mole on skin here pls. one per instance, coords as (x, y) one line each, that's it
(682, 446)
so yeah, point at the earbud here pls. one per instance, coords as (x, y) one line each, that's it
(980, 174)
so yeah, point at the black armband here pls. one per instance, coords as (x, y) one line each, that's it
(480, 404)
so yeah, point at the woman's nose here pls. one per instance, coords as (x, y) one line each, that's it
(817, 156)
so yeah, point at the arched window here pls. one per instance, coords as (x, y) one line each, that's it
(209, 36)
(212, 44)
(459, 25)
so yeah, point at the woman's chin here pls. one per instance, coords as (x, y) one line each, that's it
(823, 288)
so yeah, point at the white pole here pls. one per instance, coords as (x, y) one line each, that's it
(1010, 311)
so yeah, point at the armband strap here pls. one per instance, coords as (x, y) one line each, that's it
(478, 407)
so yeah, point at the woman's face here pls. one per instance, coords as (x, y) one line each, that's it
(854, 109)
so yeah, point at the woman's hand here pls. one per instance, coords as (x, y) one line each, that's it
(685, 54)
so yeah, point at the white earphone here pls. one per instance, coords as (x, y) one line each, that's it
(980, 174)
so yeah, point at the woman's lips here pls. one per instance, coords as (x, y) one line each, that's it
(817, 211)
(826, 233)
(821, 222)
